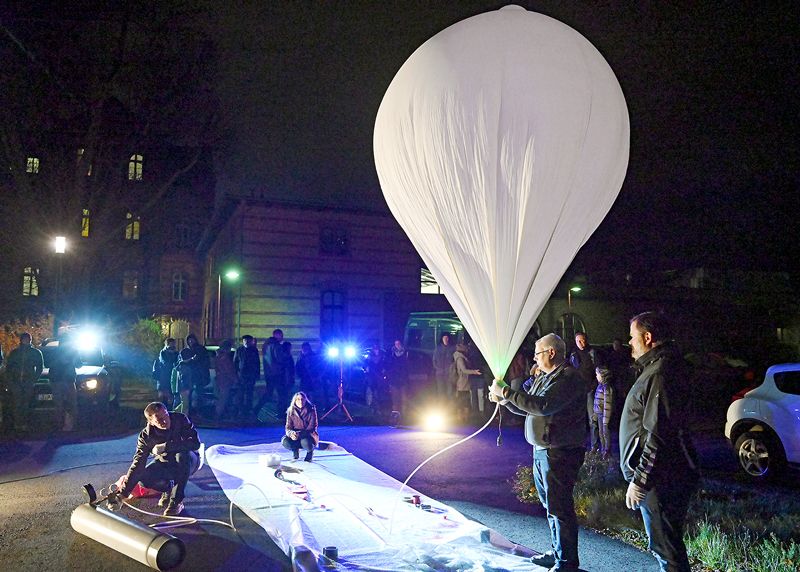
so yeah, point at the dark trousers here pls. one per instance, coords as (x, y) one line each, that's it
(306, 443)
(664, 515)
(275, 384)
(18, 399)
(166, 476)
(555, 472)
(594, 429)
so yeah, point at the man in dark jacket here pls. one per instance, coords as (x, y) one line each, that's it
(162, 371)
(275, 368)
(555, 424)
(172, 440)
(23, 368)
(584, 359)
(62, 364)
(247, 364)
(657, 457)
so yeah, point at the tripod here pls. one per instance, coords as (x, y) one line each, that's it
(339, 395)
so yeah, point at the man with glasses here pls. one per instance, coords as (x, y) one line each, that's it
(554, 405)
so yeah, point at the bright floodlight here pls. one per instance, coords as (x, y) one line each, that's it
(61, 244)
(575, 289)
(349, 352)
(433, 421)
(87, 340)
(333, 352)
(232, 275)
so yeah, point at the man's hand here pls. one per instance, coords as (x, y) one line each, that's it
(159, 449)
(634, 496)
(497, 387)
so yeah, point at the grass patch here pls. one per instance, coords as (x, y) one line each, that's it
(729, 528)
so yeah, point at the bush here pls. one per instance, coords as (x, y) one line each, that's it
(39, 327)
(139, 346)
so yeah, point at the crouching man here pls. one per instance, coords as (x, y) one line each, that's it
(172, 440)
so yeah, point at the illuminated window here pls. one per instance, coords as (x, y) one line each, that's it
(332, 318)
(428, 284)
(132, 224)
(335, 241)
(32, 165)
(130, 285)
(135, 168)
(178, 287)
(30, 281)
(85, 223)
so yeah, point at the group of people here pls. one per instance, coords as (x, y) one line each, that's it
(657, 457)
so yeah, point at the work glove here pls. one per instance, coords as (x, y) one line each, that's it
(497, 387)
(634, 496)
(159, 449)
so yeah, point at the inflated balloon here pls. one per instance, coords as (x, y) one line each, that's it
(500, 146)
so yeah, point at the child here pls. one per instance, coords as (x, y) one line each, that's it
(603, 408)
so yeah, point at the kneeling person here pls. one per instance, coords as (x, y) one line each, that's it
(172, 440)
(301, 426)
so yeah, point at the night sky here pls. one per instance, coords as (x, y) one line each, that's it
(711, 89)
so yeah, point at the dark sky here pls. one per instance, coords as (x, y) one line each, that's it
(711, 89)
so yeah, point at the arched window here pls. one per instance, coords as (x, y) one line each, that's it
(132, 224)
(135, 168)
(178, 286)
(332, 317)
(30, 281)
(568, 324)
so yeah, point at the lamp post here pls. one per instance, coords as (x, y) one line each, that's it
(232, 275)
(569, 295)
(348, 352)
(60, 247)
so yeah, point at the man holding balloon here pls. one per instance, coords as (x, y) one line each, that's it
(555, 424)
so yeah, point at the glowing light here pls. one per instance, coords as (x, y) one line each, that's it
(434, 421)
(90, 384)
(87, 340)
(575, 289)
(232, 275)
(61, 244)
(333, 352)
(349, 352)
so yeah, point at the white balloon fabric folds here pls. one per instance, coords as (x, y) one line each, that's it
(500, 146)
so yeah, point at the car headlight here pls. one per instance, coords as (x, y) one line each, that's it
(90, 384)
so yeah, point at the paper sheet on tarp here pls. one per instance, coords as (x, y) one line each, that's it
(339, 500)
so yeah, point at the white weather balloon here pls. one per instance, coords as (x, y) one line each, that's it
(500, 146)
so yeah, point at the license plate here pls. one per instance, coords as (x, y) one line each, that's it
(44, 397)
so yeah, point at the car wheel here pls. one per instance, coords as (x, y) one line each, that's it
(760, 454)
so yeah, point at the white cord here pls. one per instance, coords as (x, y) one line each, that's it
(423, 463)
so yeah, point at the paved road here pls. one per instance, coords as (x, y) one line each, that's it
(40, 484)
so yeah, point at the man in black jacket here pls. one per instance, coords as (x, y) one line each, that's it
(657, 457)
(172, 440)
(555, 424)
(247, 363)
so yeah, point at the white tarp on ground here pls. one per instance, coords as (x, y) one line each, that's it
(339, 500)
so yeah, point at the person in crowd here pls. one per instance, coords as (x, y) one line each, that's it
(442, 365)
(247, 364)
(183, 379)
(308, 371)
(290, 371)
(162, 371)
(61, 365)
(225, 377)
(398, 377)
(584, 359)
(604, 408)
(375, 370)
(657, 456)
(301, 427)
(200, 364)
(477, 382)
(464, 370)
(276, 365)
(173, 442)
(518, 371)
(555, 425)
(23, 368)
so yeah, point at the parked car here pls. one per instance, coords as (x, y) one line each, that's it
(763, 424)
(97, 383)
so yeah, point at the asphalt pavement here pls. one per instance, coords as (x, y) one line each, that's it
(41, 480)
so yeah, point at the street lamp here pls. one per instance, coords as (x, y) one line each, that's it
(60, 246)
(231, 275)
(569, 295)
